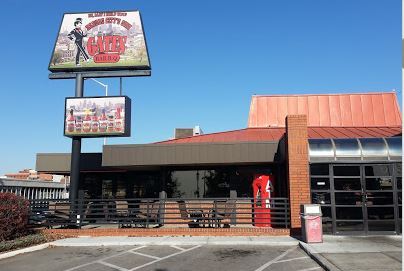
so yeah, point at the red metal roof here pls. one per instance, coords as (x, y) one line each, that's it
(276, 133)
(327, 110)
(243, 135)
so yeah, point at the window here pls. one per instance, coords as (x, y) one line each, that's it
(347, 184)
(381, 183)
(199, 183)
(320, 183)
(320, 198)
(347, 171)
(319, 169)
(215, 182)
(378, 170)
(107, 192)
(348, 198)
(327, 219)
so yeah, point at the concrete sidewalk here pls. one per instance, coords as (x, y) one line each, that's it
(353, 253)
(176, 240)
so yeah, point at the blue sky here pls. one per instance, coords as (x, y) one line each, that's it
(208, 58)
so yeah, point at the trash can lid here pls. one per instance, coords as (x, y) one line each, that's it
(310, 209)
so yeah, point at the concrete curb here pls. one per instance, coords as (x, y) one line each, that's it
(318, 258)
(167, 240)
(24, 250)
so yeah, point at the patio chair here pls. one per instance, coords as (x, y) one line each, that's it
(192, 220)
(221, 213)
(122, 213)
(148, 213)
(58, 214)
(87, 213)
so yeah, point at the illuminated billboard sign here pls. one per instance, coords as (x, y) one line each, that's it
(97, 116)
(99, 41)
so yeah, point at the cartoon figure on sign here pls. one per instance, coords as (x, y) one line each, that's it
(269, 188)
(258, 196)
(77, 36)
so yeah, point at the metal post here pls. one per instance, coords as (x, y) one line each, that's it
(80, 213)
(233, 202)
(163, 197)
(197, 183)
(76, 150)
(106, 94)
(120, 86)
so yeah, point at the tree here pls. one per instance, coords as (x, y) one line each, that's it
(57, 56)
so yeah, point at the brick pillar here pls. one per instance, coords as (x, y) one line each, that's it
(297, 166)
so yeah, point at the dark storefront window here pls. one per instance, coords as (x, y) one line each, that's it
(320, 192)
(319, 169)
(348, 198)
(399, 193)
(320, 198)
(381, 183)
(358, 197)
(107, 189)
(378, 170)
(212, 183)
(203, 183)
(347, 171)
(349, 226)
(121, 185)
(327, 219)
(347, 184)
(320, 183)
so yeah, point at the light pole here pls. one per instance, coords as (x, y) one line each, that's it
(106, 94)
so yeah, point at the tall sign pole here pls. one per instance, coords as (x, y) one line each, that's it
(97, 45)
(76, 148)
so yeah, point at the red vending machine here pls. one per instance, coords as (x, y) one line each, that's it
(262, 189)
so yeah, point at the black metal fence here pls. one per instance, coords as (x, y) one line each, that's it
(155, 212)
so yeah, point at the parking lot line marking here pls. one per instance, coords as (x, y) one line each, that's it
(164, 258)
(113, 266)
(121, 253)
(179, 248)
(288, 260)
(309, 269)
(137, 248)
(275, 260)
(146, 255)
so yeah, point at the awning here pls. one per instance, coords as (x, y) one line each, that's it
(348, 149)
(60, 162)
(189, 154)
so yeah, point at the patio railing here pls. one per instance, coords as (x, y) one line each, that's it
(155, 212)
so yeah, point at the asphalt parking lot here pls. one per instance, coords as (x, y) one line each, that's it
(163, 258)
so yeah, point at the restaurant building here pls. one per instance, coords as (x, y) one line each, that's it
(342, 151)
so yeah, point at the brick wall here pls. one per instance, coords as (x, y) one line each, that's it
(20, 176)
(45, 177)
(167, 232)
(298, 166)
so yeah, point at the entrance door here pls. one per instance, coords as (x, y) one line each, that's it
(379, 195)
(366, 198)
